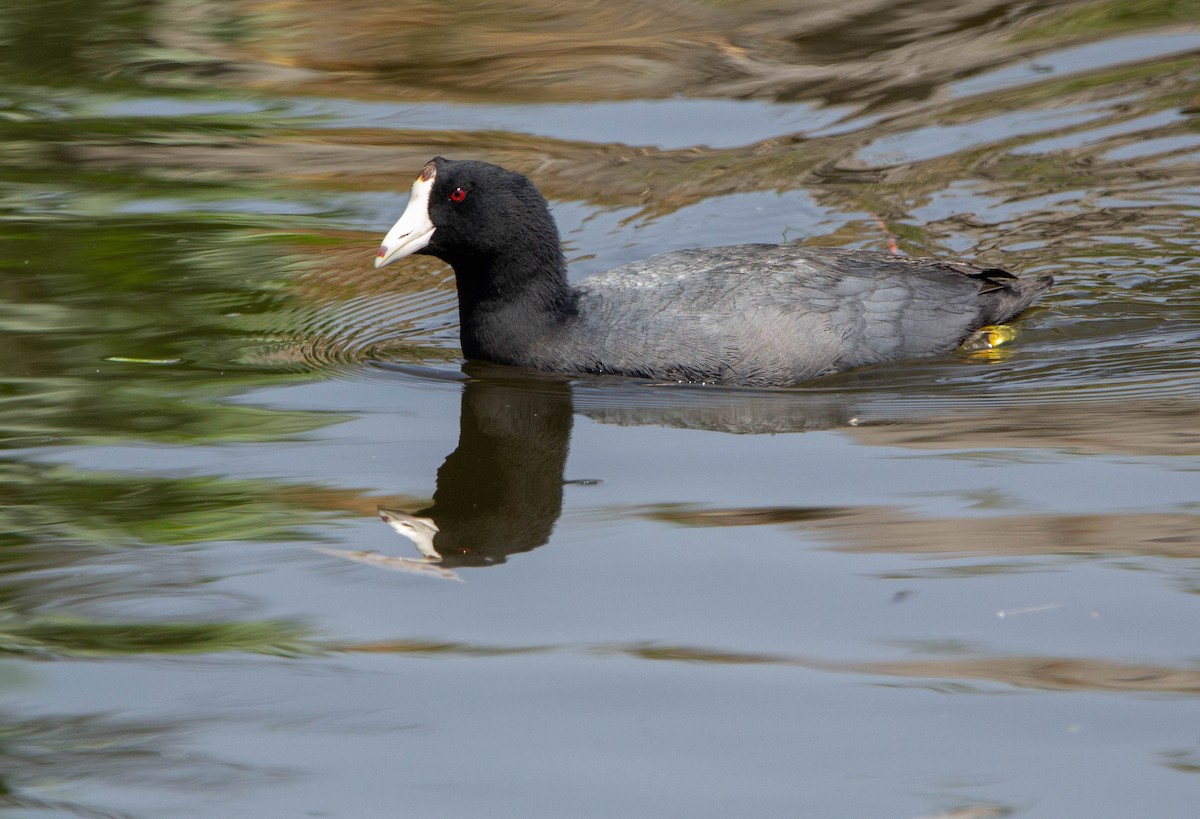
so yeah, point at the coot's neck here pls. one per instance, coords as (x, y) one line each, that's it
(511, 300)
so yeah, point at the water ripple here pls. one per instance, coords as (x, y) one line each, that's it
(403, 327)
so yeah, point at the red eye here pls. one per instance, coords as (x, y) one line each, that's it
(457, 195)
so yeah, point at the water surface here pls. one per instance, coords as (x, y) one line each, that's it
(962, 587)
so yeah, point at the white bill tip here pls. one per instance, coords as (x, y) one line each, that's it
(412, 230)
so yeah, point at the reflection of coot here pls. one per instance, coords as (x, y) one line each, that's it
(500, 491)
(747, 314)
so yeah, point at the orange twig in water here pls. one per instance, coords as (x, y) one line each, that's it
(893, 247)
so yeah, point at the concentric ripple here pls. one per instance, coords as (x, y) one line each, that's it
(413, 328)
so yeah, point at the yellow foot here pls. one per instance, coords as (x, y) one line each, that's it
(989, 337)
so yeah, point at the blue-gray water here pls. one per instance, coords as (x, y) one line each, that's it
(958, 588)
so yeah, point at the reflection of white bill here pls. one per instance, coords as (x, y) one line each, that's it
(420, 531)
(425, 566)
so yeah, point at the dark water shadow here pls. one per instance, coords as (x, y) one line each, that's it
(500, 492)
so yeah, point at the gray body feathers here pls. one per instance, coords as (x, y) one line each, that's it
(769, 314)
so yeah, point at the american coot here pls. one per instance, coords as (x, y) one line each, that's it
(744, 314)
